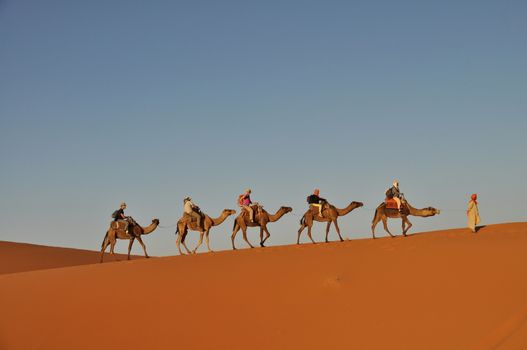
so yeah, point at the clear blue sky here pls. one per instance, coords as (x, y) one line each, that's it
(148, 102)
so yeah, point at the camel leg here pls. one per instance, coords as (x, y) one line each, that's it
(233, 236)
(178, 242)
(374, 223)
(113, 240)
(338, 230)
(183, 242)
(261, 236)
(327, 230)
(408, 225)
(244, 233)
(309, 227)
(302, 227)
(267, 235)
(385, 224)
(142, 245)
(104, 246)
(207, 241)
(130, 246)
(199, 242)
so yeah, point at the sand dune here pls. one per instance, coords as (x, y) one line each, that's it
(438, 290)
(21, 257)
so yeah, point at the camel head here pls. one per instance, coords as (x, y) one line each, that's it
(429, 211)
(229, 211)
(155, 221)
(286, 209)
(358, 204)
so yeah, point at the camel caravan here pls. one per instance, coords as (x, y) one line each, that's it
(252, 214)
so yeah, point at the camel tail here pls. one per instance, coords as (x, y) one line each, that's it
(177, 230)
(302, 220)
(104, 240)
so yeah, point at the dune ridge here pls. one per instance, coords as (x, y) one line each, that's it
(446, 289)
(23, 257)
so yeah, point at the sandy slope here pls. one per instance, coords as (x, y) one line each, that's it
(439, 290)
(20, 257)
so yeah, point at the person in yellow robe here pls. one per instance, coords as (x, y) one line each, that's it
(473, 213)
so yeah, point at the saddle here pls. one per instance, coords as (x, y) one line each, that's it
(192, 219)
(119, 225)
(314, 209)
(392, 204)
(257, 209)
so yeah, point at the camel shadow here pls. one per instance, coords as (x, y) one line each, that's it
(480, 227)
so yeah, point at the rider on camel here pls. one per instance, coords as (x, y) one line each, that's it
(316, 201)
(119, 216)
(244, 200)
(192, 210)
(395, 194)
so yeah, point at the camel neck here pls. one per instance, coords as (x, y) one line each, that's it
(280, 212)
(217, 221)
(413, 211)
(149, 229)
(350, 207)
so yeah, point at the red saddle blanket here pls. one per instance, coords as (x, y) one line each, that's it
(390, 203)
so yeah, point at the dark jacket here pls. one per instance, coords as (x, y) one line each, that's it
(119, 214)
(314, 199)
(393, 192)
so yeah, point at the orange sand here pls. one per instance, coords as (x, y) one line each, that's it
(438, 290)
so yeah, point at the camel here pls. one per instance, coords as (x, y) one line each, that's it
(383, 213)
(135, 231)
(329, 215)
(184, 224)
(261, 219)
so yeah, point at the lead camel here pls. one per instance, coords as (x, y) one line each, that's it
(382, 213)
